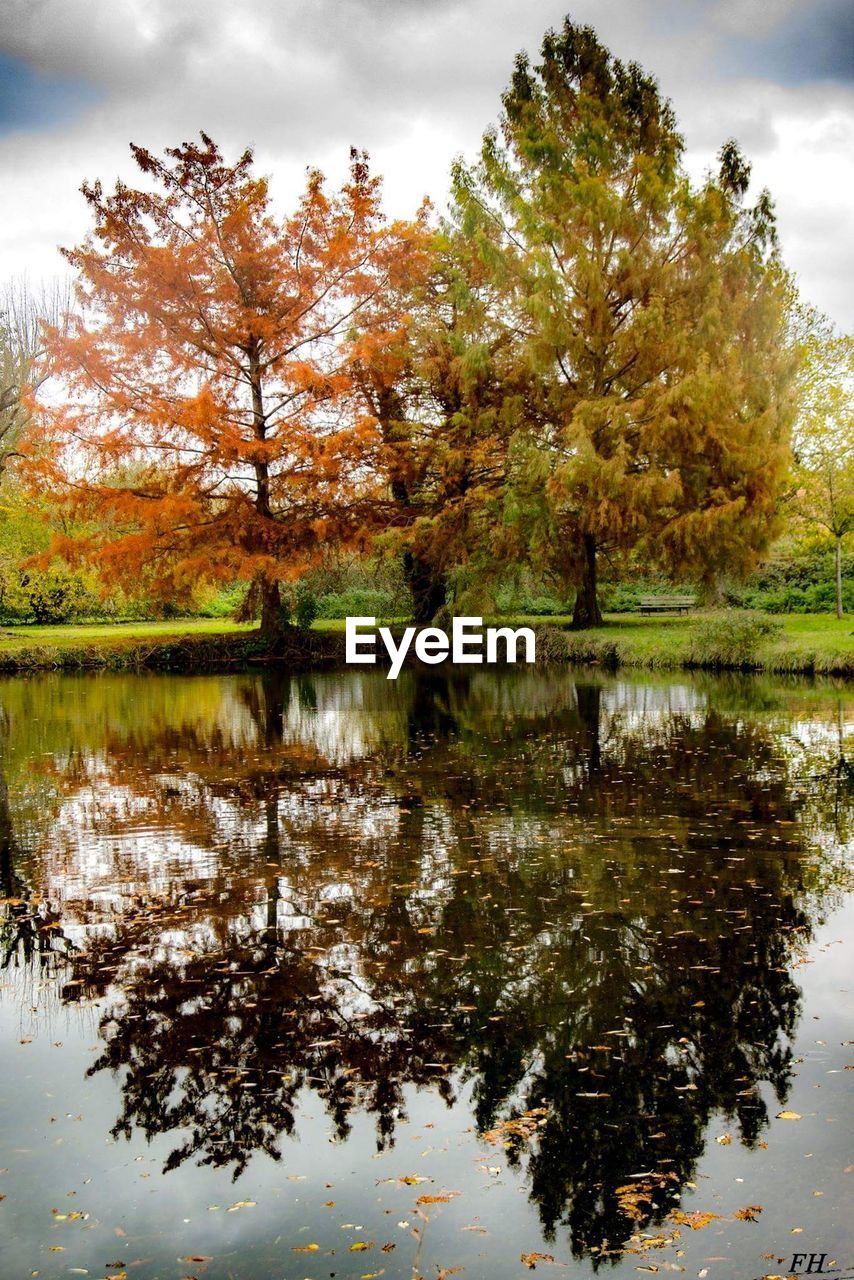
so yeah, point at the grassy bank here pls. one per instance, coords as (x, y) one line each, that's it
(189, 644)
(807, 643)
(724, 641)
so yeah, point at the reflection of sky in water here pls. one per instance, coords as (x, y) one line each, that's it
(111, 840)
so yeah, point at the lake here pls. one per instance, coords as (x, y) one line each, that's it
(334, 976)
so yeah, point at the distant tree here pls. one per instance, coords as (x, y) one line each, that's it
(24, 314)
(210, 429)
(824, 434)
(651, 313)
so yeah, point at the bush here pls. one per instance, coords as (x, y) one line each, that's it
(219, 602)
(359, 602)
(513, 601)
(731, 639)
(799, 577)
(305, 607)
(56, 595)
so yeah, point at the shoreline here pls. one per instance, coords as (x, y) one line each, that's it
(624, 642)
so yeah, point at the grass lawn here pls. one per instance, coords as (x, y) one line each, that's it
(803, 642)
(72, 636)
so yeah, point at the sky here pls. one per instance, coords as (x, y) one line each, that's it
(415, 82)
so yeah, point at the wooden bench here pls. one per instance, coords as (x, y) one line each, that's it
(666, 604)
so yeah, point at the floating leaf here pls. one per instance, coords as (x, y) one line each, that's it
(696, 1221)
(444, 1199)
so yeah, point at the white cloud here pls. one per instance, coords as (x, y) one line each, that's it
(414, 81)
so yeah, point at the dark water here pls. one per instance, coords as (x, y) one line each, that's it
(335, 976)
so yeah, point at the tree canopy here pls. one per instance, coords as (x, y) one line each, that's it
(651, 312)
(210, 424)
(588, 359)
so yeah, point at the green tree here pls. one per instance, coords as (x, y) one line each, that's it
(824, 435)
(650, 312)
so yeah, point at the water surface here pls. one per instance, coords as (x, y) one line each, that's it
(339, 976)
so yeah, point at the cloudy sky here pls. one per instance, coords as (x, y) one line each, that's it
(416, 82)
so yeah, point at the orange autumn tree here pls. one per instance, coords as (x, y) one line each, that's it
(209, 430)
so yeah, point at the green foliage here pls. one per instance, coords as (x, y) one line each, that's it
(54, 595)
(798, 578)
(361, 602)
(731, 639)
(625, 596)
(648, 313)
(305, 606)
(219, 602)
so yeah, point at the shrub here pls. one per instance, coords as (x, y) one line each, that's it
(305, 606)
(799, 577)
(731, 639)
(359, 602)
(55, 595)
(220, 602)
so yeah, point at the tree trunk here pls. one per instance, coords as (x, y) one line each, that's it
(587, 612)
(427, 587)
(271, 610)
(271, 599)
(839, 609)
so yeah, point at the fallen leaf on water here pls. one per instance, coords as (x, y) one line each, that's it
(749, 1213)
(411, 1180)
(241, 1204)
(305, 1248)
(724, 1140)
(531, 1259)
(445, 1199)
(359, 1246)
(696, 1221)
(196, 1257)
(788, 1115)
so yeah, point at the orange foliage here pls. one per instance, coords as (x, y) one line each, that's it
(210, 427)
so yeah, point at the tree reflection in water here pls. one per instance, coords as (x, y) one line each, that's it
(582, 900)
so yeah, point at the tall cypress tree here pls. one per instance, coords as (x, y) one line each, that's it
(650, 313)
